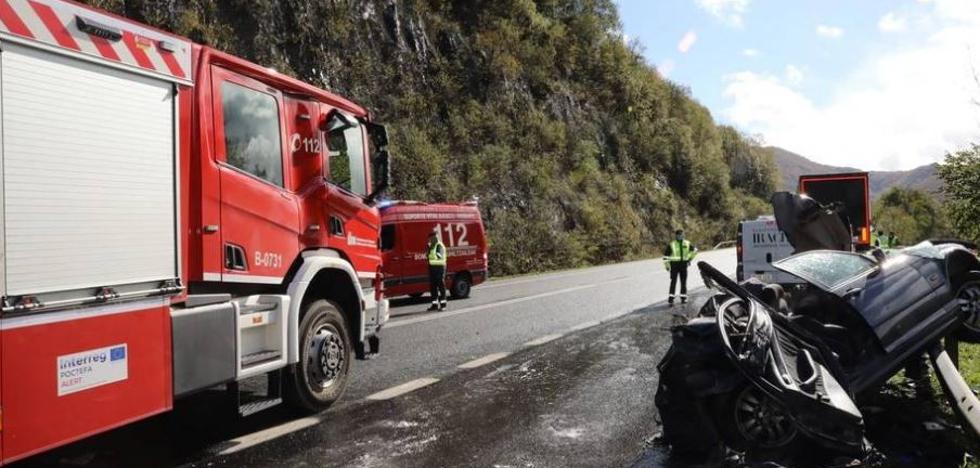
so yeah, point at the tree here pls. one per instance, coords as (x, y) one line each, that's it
(912, 214)
(960, 173)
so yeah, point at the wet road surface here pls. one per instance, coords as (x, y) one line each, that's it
(583, 400)
(532, 371)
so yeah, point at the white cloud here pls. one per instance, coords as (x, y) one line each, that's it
(832, 32)
(900, 109)
(794, 76)
(666, 67)
(891, 22)
(729, 12)
(687, 41)
(750, 53)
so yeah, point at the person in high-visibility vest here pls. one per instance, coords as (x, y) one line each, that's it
(677, 257)
(892, 240)
(877, 239)
(436, 256)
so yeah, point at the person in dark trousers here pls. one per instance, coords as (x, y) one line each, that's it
(677, 257)
(892, 240)
(436, 256)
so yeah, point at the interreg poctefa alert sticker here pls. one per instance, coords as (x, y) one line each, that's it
(92, 368)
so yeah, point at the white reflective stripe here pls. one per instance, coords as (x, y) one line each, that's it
(212, 276)
(251, 279)
(33, 22)
(84, 44)
(154, 55)
(10, 323)
(366, 274)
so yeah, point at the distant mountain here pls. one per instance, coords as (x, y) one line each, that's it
(792, 165)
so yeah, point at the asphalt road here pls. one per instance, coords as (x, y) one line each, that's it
(520, 374)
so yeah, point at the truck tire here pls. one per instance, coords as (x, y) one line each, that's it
(461, 286)
(320, 376)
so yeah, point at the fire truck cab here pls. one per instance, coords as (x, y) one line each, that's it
(173, 218)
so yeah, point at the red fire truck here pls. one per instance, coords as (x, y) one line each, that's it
(173, 218)
(405, 228)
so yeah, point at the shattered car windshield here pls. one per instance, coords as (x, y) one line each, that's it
(824, 268)
(924, 249)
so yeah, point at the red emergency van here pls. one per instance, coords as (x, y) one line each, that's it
(405, 228)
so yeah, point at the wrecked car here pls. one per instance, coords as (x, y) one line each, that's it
(766, 370)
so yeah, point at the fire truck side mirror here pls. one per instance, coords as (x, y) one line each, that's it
(336, 120)
(378, 133)
(381, 174)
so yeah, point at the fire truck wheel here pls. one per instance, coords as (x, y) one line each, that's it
(461, 286)
(320, 376)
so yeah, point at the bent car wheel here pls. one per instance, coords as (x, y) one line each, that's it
(320, 376)
(969, 303)
(750, 419)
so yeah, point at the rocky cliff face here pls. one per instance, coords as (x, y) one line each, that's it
(580, 152)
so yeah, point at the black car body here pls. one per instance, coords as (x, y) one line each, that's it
(760, 370)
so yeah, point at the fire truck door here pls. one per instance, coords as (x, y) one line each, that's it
(259, 216)
(354, 226)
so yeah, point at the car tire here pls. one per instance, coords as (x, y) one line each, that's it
(735, 413)
(461, 286)
(325, 354)
(969, 298)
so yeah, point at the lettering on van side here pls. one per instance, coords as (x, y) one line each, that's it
(768, 237)
(455, 234)
(457, 251)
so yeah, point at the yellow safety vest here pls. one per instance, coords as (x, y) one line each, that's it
(680, 251)
(437, 254)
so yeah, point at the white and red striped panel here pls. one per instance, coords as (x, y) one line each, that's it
(54, 22)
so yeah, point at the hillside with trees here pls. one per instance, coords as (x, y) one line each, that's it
(792, 165)
(579, 151)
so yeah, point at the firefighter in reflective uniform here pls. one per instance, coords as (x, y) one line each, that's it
(436, 256)
(677, 257)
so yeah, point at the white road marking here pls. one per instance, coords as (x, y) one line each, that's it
(441, 315)
(402, 389)
(542, 340)
(583, 326)
(265, 435)
(483, 360)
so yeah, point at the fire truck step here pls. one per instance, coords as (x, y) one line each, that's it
(255, 406)
(260, 357)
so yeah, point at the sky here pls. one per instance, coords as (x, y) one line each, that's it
(872, 84)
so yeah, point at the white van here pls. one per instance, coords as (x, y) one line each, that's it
(760, 242)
